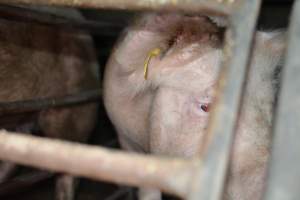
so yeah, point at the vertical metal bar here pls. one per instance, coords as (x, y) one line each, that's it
(284, 181)
(209, 184)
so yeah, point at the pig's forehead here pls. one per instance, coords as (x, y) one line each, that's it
(197, 75)
(205, 60)
(212, 59)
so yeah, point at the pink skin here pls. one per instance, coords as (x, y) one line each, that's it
(167, 114)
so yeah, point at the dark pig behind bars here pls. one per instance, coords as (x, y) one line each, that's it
(159, 88)
(39, 62)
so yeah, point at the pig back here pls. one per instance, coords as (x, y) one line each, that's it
(40, 61)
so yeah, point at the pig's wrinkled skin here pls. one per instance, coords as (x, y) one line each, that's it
(38, 62)
(165, 115)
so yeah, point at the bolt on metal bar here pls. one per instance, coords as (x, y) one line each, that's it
(284, 174)
(209, 185)
(171, 175)
(215, 6)
(43, 103)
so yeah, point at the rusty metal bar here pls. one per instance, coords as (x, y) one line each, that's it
(214, 6)
(168, 174)
(210, 183)
(39, 104)
(284, 174)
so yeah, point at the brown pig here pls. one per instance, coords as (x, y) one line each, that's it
(39, 61)
(166, 113)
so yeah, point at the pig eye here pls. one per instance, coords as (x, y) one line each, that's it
(201, 109)
(205, 107)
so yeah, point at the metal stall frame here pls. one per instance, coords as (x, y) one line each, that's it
(198, 178)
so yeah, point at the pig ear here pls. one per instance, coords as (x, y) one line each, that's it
(146, 34)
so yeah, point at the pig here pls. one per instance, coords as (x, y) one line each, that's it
(166, 111)
(39, 61)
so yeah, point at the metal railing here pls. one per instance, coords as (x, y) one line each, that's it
(198, 178)
(213, 6)
(221, 128)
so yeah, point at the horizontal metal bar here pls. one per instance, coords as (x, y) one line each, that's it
(168, 174)
(36, 15)
(44, 103)
(215, 6)
(284, 174)
(210, 183)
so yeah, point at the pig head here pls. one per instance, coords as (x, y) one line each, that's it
(167, 113)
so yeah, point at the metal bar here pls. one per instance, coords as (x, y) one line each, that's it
(35, 15)
(39, 104)
(215, 6)
(209, 185)
(284, 174)
(168, 174)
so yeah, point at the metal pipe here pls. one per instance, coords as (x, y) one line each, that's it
(168, 174)
(36, 15)
(39, 104)
(213, 6)
(219, 140)
(284, 174)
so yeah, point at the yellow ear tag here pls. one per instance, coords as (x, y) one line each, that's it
(151, 54)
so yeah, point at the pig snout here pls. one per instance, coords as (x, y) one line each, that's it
(167, 113)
